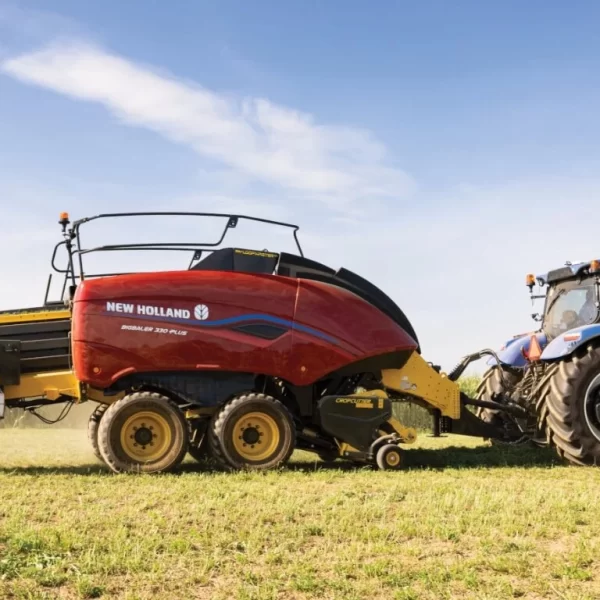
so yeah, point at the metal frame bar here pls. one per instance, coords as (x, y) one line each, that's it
(73, 243)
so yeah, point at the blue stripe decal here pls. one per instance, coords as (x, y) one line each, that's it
(230, 321)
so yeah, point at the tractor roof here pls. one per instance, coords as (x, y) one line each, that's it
(569, 271)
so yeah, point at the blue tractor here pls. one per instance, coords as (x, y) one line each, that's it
(554, 371)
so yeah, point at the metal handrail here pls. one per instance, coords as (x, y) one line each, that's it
(73, 244)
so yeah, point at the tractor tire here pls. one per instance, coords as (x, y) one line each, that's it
(143, 432)
(541, 439)
(492, 384)
(93, 425)
(241, 427)
(573, 425)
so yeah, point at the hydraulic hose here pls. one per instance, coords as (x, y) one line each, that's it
(459, 369)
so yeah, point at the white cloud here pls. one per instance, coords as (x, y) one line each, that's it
(334, 164)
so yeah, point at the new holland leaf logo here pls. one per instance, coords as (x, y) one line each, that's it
(201, 312)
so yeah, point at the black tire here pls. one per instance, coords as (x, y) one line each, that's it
(573, 427)
(496, 381)
(491, 385)
(93, 426)
(129, 448)
(232, 423)
(541, 437)
(389, 458)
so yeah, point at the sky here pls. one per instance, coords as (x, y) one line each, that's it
(440, 150)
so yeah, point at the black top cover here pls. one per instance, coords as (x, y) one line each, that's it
(291, 265)
(239, 259)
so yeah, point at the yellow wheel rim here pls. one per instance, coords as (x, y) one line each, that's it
(255, 436)
(146, 436)
(393, 458)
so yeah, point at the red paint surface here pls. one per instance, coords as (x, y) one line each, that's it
(99, 342)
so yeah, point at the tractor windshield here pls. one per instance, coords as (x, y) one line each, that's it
(570, 304)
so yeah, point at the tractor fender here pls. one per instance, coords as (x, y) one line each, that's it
(511, 353)
(566, 343)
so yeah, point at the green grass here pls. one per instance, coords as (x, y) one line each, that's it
(464, 520)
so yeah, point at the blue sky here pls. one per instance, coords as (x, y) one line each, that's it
(440, 149)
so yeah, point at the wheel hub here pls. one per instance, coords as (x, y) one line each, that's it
(256, 436)
(146, 436)
(251, 435)
(392, 459)
(143, 436)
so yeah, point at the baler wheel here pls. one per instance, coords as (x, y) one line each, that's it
(573, 399)
(93, 425)
(389, 457)
(143, 432)
(252, 431)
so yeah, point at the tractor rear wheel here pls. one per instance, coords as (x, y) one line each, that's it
(541, 437)
(252, 431)
(496, 381)
(93, 425)
(573, 402)
(143, 432)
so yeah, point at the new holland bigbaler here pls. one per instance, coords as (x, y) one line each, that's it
(244, 355)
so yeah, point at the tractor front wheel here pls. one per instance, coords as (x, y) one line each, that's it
(573, 404)
(252, 431)
(143, 432)
(497, 381)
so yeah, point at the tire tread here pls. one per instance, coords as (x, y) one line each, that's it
(566, 427)
(216, 429)
(114, 408)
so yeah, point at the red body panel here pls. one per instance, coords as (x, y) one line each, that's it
(186, 320)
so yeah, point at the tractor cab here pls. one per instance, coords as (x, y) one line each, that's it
(572, 298)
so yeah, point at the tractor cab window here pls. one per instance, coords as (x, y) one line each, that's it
(570, 304)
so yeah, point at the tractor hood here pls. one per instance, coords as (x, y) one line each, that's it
(566, 343)
(513, 352)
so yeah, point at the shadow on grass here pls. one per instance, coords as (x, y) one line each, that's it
(452, 457)
(458, 457)
(87, 469)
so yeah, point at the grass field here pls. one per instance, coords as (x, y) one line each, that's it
(463, 521)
